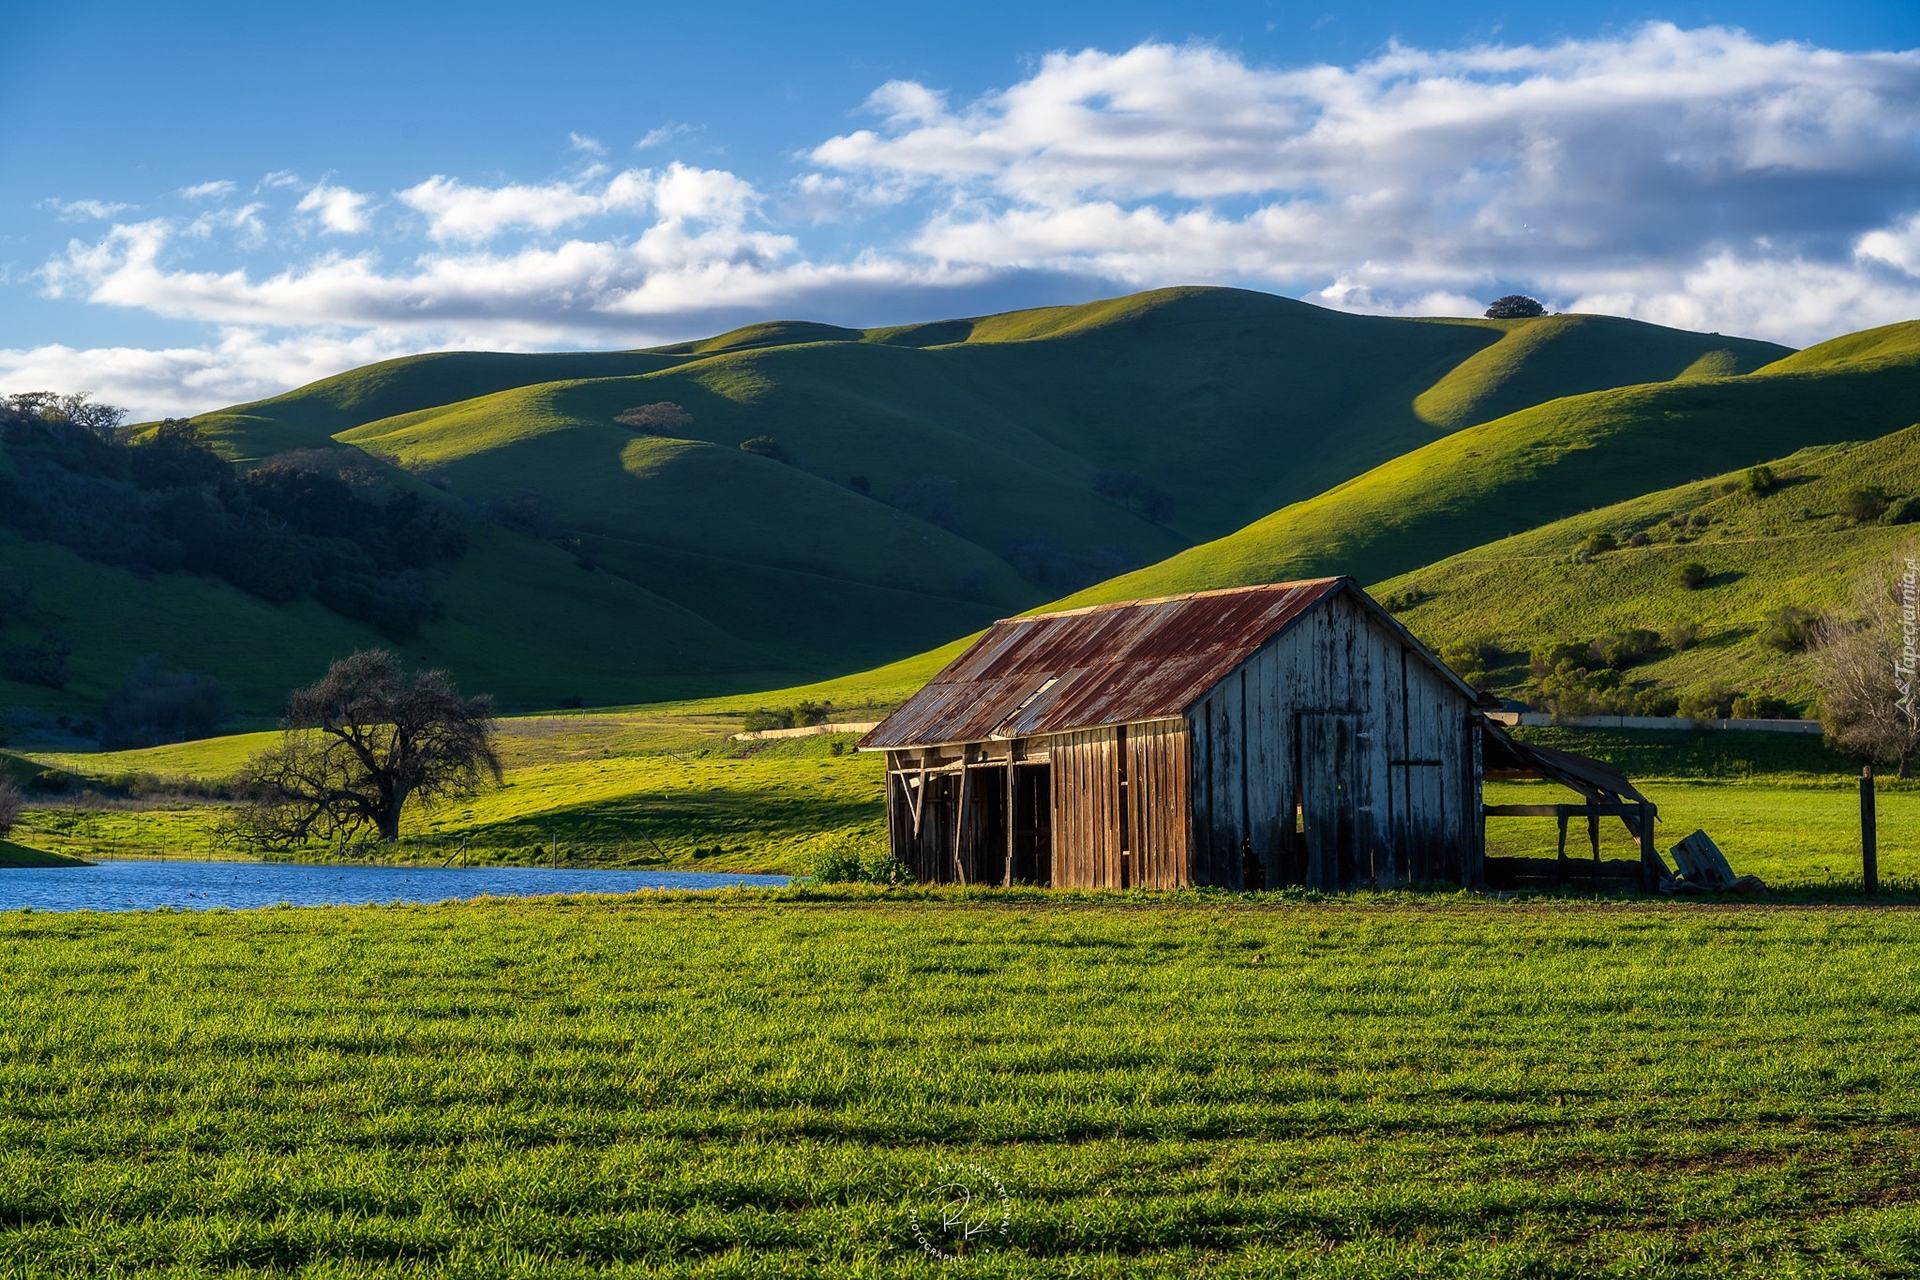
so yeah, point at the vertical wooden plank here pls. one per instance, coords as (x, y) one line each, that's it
(1200, 795)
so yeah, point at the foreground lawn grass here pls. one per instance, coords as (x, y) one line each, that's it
(756, 1085)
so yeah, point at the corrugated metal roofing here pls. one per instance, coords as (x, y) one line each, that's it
(1111, 664)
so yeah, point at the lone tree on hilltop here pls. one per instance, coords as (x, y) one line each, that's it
(1515, 306)
(1864, 669)
(361, 743)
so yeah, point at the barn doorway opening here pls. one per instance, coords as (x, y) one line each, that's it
(1033, 824)
(1014, 835)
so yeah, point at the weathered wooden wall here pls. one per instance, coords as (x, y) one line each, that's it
(1411, 776)
(1120, 806)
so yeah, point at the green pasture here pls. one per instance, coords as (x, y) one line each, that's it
(767, 1085)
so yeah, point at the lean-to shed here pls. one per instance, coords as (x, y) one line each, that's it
(1251, 738)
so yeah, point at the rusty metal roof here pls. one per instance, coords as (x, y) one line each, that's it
(1110, 664)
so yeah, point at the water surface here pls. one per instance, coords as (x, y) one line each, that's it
(132, 885)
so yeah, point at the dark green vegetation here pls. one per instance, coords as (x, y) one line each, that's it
(307, 523)
(19, 855)
(759, 1086)
(901, 487)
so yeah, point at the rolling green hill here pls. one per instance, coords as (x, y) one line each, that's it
(1551, 461)
(908, 484)
(1791, 547)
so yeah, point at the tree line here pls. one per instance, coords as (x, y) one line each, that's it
(168, 503)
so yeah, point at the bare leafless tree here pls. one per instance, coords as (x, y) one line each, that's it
(361, 743)
(11, 802)
(1864, 665)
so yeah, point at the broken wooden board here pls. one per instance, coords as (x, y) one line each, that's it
(1700, 862)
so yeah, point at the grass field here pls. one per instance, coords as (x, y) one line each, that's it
(764, 1086)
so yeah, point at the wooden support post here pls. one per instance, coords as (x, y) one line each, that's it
(1869, 833)
(960, 827)
(1593, 834)
(1012, 808)
(1561, 863)
(1649, 859)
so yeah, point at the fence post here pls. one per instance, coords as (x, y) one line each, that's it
(1869, 833)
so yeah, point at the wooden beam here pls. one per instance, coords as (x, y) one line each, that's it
(960, 830)
(1622, 809)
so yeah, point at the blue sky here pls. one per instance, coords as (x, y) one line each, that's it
(205, 203)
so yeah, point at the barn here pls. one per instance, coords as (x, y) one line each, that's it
(1285, 734)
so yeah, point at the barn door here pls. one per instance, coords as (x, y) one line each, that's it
(1336, 799)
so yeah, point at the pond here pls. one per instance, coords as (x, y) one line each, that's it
(143, 885)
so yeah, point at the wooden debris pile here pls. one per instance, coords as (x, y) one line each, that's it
(1704, 869)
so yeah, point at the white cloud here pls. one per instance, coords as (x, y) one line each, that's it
(581, 142)
(207, 190)
(340, 209)
(1630, 170)
(665, 133)
(456, 211)
(86, 210)
(242, 365)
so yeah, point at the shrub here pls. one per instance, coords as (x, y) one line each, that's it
(1155, 504)
(1468, 659)
(664, 418)
(1863, 504)
(11, 802)
(1760, 481)
(1623, 648)
(1905, 511)
(1790, 629)
(1598, 543)
(43, 663)
(844, 864)
(766, 447)
(760, 719)
(1760, 706)
(1715, 702)
(1682, 635)
(1404, 598)
(935, 499)
(1545, 661)
(157, 705)
(1639, 538)
(1515, 306)
(1691, 575)
(1117, 486)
